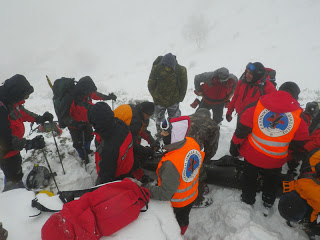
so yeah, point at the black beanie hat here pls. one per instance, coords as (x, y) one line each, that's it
(292, 207)
(15, 89)
(258, 72)
(169, 60)
(147, 108)
(85, 86)
(292, 88)
(101, 116)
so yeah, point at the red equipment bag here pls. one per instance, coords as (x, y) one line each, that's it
(99, 213)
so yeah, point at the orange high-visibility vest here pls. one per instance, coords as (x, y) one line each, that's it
(272, 132)
(124, 113)
(188, 161)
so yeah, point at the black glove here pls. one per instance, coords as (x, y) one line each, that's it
(112, 96)
(234, 149)
(155, 146)
(228, 117)
(312, 109)
(35, 143)
(45, 117)
(149, 152)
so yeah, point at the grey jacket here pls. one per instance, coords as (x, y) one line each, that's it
(169, 175)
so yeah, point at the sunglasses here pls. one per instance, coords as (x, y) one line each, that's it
(251, 67)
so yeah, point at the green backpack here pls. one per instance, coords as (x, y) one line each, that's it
(63, 89)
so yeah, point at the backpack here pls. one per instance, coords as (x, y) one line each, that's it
(99, 213)
(63, 89)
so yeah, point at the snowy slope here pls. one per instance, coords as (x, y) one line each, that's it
(115, 42)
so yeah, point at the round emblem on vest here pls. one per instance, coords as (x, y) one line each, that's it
(191, 167)
(275, 124)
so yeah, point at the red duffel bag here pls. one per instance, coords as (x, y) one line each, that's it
(99, 213)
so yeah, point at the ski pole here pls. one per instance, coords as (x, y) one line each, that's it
(112, 105)
(45, 157)
(85, 155)
(55, 142)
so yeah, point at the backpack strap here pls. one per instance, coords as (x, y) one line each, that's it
(40, 207)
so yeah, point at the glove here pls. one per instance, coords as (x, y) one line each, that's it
(226, 104)
(234, 149)
(155, 146)
(35, 143)
(312, 109)
(149, 152)
(195, 103)
(112, 96)
(80, 125)
(228, 117)
(45, 117)
(198, 93)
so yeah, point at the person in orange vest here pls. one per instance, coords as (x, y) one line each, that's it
(265, 132)
(178, 170)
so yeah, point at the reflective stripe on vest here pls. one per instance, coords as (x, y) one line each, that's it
(272, 132)
(187, 160)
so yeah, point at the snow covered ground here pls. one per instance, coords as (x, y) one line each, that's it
(115, 42)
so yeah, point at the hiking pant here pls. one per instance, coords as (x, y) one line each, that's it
(77, 138)
(217, 110)
(159, 111)
(271, 181)
(182, 215)
(11, 168)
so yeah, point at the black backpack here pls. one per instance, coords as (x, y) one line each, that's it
(63, 94)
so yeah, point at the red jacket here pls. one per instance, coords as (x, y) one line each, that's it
(11, 120)
(278, 102)
(218, 92)
(313, 141)
(79, 110)
(247, 93)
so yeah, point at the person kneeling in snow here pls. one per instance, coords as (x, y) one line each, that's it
(114, 155)
(178, 170)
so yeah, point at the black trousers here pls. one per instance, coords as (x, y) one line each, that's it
(217, 110)
(76, 136)
(11, 168)
(182, 215)
(271, 181)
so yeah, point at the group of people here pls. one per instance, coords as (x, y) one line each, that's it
(271, 129)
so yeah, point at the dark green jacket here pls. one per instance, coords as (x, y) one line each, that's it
(167, 88)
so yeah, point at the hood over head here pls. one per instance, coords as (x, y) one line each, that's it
(169, 60)
(85, 86)
(102, 118)
(15, 89)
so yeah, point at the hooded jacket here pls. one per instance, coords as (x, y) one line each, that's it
(278, 102)
(115, 150)
(13, 114)
(167, 88)
(246, 93)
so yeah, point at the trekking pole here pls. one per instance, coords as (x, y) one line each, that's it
(112, 104)
(55, 142)
(85, 155)
(45, 157)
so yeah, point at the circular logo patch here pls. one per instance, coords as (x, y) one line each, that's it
(275, 124)
(192, 163)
